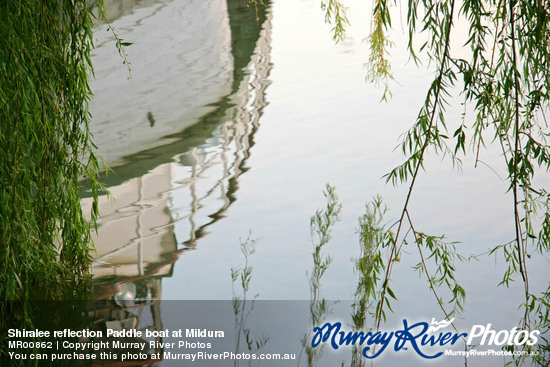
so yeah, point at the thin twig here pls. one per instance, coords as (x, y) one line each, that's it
(425, 267)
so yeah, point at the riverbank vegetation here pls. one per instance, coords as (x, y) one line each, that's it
(45, 150)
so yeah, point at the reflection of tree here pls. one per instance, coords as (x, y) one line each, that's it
(242, 307)
(373, 237)
(321, 226)
(367, 267)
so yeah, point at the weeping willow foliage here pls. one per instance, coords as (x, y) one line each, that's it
(45, 148)
(506, 80)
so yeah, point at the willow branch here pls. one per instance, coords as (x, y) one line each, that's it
(425, 268)
(519, 238)
(419, 164)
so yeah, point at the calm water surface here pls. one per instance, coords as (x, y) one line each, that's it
(231, 126)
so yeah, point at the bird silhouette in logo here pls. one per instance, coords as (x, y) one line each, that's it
(436, 325)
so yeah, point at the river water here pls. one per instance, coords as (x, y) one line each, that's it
(228, 126)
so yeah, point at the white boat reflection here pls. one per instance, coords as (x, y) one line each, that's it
(180, 61)
(165, 197)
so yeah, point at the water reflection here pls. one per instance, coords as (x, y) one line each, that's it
(136, 307)
(181, 61)
(166, 196)
(321, 226)
(115, 9)
(368, 268)
(243, 303)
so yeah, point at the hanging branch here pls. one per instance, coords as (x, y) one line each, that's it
(417, 159)
(517, 220)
